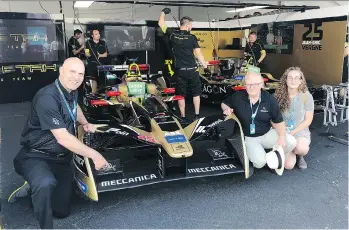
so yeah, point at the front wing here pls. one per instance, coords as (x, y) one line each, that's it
(133, 169)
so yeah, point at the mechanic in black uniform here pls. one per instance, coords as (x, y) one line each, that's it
(96, 52)
(74, 47)
(259, 111)
(187, 76)
(256, 49)
(48, 140)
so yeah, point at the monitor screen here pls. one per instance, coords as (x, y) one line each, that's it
(28, 41)
(129, 38)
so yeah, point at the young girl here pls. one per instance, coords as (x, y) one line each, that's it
(297, 107)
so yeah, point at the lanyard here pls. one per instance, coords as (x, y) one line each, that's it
(254, 114)
(71, 112)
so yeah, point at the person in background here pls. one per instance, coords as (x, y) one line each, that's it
(256, 50)
(74, 46)
(96, 52)
(184, 45)
(297, 107)
(261, 119)
(48, 141)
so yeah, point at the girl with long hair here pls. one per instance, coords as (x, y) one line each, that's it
(297, 108)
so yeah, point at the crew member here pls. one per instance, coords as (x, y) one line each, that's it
(256, 50)
(48, 140)
(96, 52)
(187, 76)
(75, 48)
(259, 111)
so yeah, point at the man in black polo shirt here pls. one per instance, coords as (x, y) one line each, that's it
(183, 45)
(74, 47)
(256, 50)
(258, 111)
(96, 53)
(48, 140)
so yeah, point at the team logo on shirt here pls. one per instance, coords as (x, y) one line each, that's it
(264, 110)
(55, 121)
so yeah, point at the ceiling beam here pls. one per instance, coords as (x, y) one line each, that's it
(213, 4)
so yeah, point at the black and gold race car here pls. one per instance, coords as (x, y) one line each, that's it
(146, 143)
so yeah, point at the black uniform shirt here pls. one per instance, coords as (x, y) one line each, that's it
(256, 49)
(95, 48)
(268, 110)
(73, 44)
(183, 44)
(48, 111)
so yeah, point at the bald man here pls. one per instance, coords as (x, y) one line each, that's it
(48, 140)
(258, 111)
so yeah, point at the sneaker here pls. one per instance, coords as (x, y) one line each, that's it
(196, 117)
(301, 163)
(22, 191)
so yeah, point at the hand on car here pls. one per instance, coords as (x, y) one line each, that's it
(228, 111)
(90, 128)
(100, 162)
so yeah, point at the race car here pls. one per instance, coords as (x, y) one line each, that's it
(146, 143)
(221, 84)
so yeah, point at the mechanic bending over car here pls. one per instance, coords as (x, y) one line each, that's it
(96, 52)
(256, 49)
(258, 111)
(187, 76)
(48, 140)
(297, 107)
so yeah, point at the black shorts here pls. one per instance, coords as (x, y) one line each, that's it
(92, 73)
(188, 81)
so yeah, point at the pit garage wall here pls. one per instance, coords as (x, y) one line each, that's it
(319, 66)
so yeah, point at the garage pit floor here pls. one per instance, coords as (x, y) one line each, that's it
(314, 198)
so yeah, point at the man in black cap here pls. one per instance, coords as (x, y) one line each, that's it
(184, 45)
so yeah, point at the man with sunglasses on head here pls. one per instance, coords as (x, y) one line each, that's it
(261, 119)
(184, 45)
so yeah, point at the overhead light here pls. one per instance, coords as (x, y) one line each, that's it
(83, 4)
(246, 9)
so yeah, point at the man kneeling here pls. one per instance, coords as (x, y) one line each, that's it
(258, 111)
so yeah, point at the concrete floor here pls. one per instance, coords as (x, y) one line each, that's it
(314, 198)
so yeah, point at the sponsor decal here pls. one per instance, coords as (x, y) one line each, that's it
(118, 131)
(202, 128)
(211, 168)
(28, 68)
(82, 186)
(172, 133)
(214, 89)
(146, 138)
(79, 160)
(312, 42)
(180, 148)
(175, 139)
(129, 180)
(218, 153)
